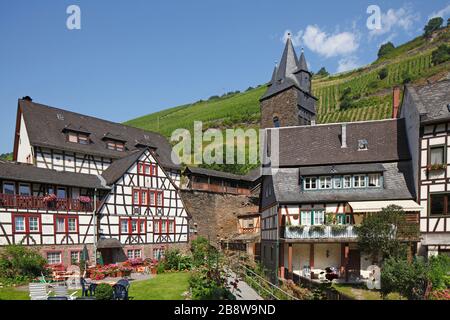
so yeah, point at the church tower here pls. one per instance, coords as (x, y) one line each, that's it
(288, 100)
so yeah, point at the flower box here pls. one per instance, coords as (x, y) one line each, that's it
(436, 167)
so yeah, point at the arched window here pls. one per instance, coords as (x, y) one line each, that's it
(276, 122)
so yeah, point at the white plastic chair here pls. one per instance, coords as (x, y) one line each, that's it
(38, 291)
(62, 291)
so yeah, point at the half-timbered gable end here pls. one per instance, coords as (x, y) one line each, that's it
(144, 206)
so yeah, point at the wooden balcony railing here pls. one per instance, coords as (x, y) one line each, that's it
(248, 230)
(218, 188)
(38, 203)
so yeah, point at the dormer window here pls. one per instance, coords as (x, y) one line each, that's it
(115, 145)
(363, 145)
(77, 137)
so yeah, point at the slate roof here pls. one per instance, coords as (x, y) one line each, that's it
(321, 144)
(29, 173)
(250, 177)
(397, 179)
(432, 101)
(284, 76)
(45, 127)
(118, 168)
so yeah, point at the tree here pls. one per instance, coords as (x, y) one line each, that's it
(19, 263)
(383, 234)
(441, 54)
(385, 49)
(323, 72)
(433, 25)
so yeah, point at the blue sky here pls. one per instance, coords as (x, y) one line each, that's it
(132, 58)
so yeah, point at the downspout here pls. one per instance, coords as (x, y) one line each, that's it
(94, 219)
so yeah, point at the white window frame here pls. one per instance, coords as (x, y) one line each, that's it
(327, 181)
(349, 180)
(308, 183)
(362, 183)
(319, 217)
(305, 218)
(19, 224)
(123, 223)
(30, 224)
(378, 180)
(53, 255)
(69, 226)
(58, 225)
(337, 179)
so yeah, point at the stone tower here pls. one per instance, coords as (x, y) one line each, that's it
(289, 101)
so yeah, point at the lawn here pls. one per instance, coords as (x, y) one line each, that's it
(167, 286)
(360, 293)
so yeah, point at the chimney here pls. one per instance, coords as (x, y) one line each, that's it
(344, 136)
(27, 98)
(396, 102)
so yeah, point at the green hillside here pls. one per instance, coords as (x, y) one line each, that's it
(368, 96)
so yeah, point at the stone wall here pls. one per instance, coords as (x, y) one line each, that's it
(216, 215)
(284, 106)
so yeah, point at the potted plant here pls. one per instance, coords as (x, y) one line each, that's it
(436, 167)
(317, 228)
(337, 229)
(50, 200)
(84, 201)
(296, 229)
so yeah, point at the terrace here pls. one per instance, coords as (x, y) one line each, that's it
(46, 203)
(321, 232)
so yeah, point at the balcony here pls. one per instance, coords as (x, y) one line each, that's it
(320, 233)
(38, 203)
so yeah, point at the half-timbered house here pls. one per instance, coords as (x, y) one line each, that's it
(78, 180)
(426, 110)
(326, 179)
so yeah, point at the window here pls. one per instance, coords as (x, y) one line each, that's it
(306, 218)
(347, 182)
(76, 137)
(159, 199)
(158, 253)
(439, 204)
(325, 183)
(343, 219)
(72, 225)
(437, 155)
(337, 183)
(374, 180)
(134, 253)
(164, 226)
(60, 225)
(359, 181)
(136, 196)
(142, 226)
(148, 197)
(115, 145)
(124, 226)
(363, 145)
(319, 217)
(156, 227)
(276, 122)
(134, 226)
(19, 223)
(61, 193)
(24, 189)
(33, 224)
(171, 226)
(75, 257)
(9, 188)
(148, 169)
(310, 183)
(54, 257)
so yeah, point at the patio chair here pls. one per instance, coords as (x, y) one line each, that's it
(38, 291)
(61, 291)
(121, 290)
(87, 289)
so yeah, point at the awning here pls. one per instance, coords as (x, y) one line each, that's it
(110, 243)
(377, 206)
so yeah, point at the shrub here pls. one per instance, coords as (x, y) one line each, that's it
(318, 228)
(298, 229)
(383, 73)
(407, 278)
(202, 251)
(210, 284)
(338, 229)
(440, 295)
(441, 54)
(323, 72)
(104, 292)
(297, 291)
(20, 264)
(174, 260)
(439, 269)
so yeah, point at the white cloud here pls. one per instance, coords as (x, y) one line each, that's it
(347, 64)
(329, 45)
(441, 13)
(403, 18)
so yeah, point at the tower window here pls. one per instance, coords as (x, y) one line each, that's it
(276, 122)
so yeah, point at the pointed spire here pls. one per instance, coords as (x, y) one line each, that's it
(302, 65)
(288, 63)
(274, 74)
